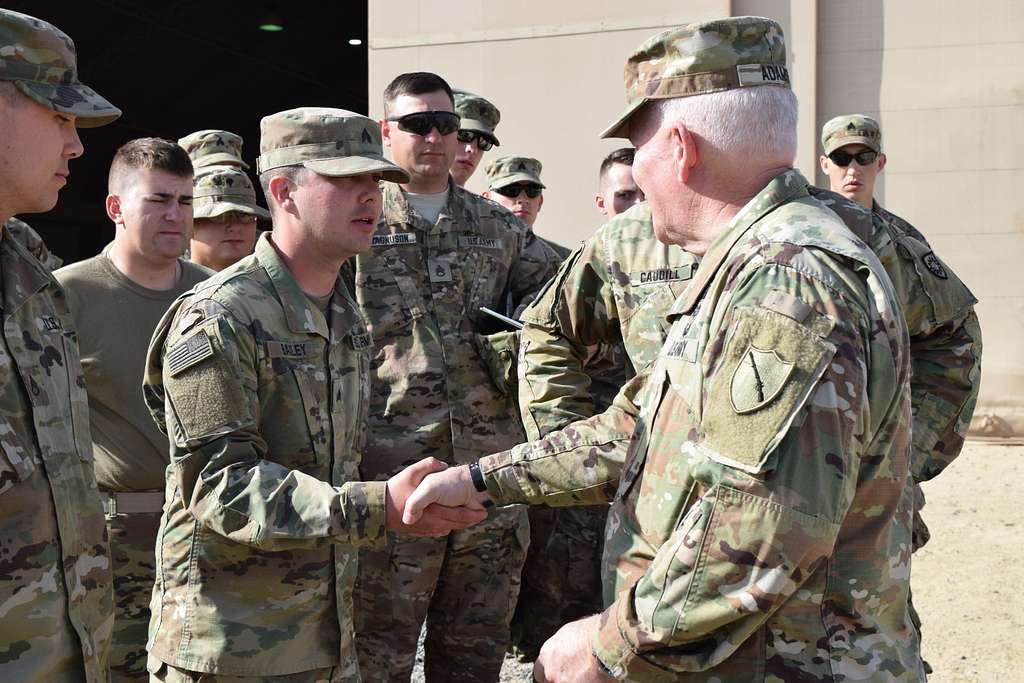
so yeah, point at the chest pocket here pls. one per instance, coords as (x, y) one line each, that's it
(387, 290)
(946, 294)
(485, 270)
(294, 382)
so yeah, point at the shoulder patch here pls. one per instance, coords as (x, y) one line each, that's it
(758, 379)
(934, 265)
(191, 351)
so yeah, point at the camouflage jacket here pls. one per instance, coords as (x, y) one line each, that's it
(420, 287)
(23, 232)
(761, 523)
(945, 343)
(56, 599)
(598, 321)
(266, 401)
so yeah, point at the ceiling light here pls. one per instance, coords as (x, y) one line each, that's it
(355, 41)
(271, 22)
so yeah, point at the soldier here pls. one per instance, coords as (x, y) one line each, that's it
(33, 241)
(945, 337)
(439, 254)
(256, 550)
(617, 191)
(56, 600)
(514, 182)
(135, 278)
(477, 120)
(225, 213)
(762, 512)
(221, 235)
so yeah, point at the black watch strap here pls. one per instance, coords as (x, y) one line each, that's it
(477, 476)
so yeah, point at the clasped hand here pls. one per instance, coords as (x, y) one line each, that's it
(430, 499)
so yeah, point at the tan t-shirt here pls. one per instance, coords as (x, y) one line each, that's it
(115, 319)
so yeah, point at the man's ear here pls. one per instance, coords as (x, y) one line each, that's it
(685, 156)
(823, 162)
(599, 200)
(486, 193)
(881, 161)
(541, 201)
(282, 193)
(385, 132)
(113, 206)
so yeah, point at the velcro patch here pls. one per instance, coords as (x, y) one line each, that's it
(50, 323)
(481, 242)
(668, 274)
(758, 74)
(188, 352)
(361, 340)
(396, 238)
(757, 379)
(439, 270)
(279, 349)
(934, 265)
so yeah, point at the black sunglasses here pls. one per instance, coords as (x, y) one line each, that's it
(422, 122)
(482, 143)
(863, 157)
(512, 191)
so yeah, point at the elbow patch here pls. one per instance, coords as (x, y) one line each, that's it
(769, 368)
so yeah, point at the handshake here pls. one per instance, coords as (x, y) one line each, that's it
(430, 499)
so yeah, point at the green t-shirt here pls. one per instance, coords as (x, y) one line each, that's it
(115, 319)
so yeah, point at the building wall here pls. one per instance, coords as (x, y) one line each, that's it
(945, 78)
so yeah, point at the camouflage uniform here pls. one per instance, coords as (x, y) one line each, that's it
(23, 232)
(265, 397)
(607, 302)
(762, 517)
(477, 114)
(56, 601)
(213, 148)
(421, 287)
(255, 557)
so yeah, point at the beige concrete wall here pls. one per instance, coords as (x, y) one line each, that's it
(945, 78)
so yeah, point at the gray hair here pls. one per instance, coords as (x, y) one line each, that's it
(754, 123)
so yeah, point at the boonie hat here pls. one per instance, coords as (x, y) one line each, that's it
(510, 170)
(40, 59)
(696, 59)
(219, 189)
(477, 114)
(851, 129)
(212, 147)
(331, 142)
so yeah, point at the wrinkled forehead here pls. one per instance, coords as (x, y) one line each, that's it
(431, 101)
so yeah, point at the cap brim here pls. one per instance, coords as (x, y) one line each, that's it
(479, 127)
(358, 165)
(90, 109)
(620, 129)
(222, 207)
(836, 143)
(219, 159)
(505, 181)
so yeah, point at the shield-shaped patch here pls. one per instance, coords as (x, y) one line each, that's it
(758, 379)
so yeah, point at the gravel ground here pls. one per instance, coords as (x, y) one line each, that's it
(967, 581)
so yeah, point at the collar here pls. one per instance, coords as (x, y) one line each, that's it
(22, 274)
(398, 211)
(783, 188)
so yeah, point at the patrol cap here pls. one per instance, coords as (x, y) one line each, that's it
(211, 147)
(851, 129)
(40, 59)
(696, 59)
(331, 142)
(219, 189)
(510, 170)
(477, 114)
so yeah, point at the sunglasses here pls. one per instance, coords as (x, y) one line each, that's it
(482, 143)
(422, 122)
(863, 157)
(512, 191)
(232, 217)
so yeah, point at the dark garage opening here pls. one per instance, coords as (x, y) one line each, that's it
(183, 65)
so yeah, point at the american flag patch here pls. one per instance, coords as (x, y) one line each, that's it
(187, 353)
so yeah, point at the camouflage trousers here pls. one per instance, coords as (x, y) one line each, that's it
(464, 585)
(132, 552)
(562, 574)
(165, 673)
(919, 537)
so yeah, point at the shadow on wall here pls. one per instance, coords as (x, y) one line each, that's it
(851, 38)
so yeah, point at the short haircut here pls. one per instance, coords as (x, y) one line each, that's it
(9, 93)
(415, 83)
(623, 155)
(149, 153)
(293, 173)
